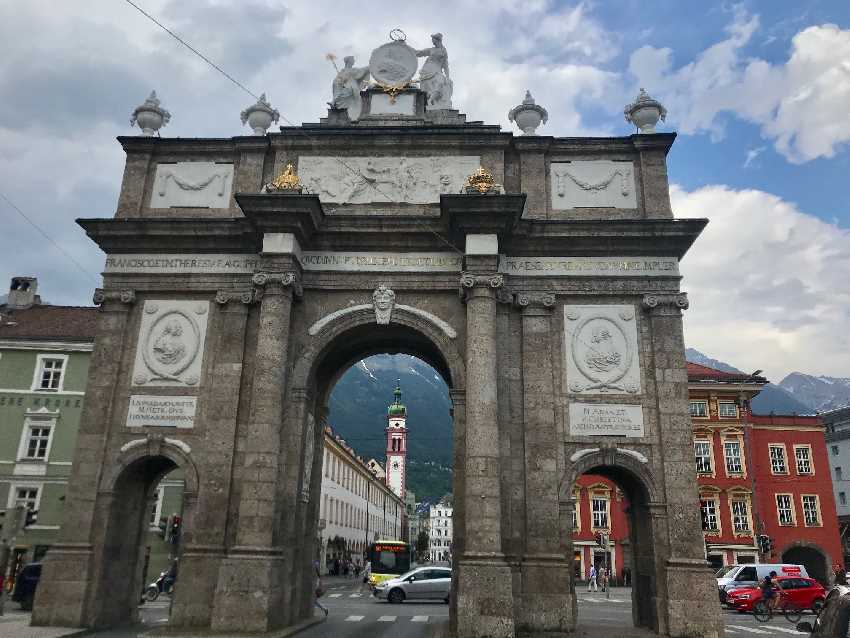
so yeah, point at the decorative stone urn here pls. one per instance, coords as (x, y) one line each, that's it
(528, 115)
(260, 116)
(645, 112)
(150, 116)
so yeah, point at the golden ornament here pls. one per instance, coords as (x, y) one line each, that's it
(481, 181)
(287, 180)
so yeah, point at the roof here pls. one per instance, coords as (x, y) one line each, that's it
(49, 323)
(785, 419)
(696, 372)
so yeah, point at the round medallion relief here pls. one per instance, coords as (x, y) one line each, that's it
(393, 63)
(171, 344)
(601, 350)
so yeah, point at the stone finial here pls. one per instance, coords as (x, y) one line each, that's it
(528, 115)
(150, 116)
(286, 182)
(259, 116)
(645, 112)
(481, 183)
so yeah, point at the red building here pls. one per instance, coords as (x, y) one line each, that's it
(758, 476)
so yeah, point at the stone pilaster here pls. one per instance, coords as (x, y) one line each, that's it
(68, 592)
(484, 591)
(250, 592)
(692, 604)
(545, 602)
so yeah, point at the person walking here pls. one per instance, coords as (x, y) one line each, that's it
(365, 574)
(603, 577)
(319, 591)
(591, 581)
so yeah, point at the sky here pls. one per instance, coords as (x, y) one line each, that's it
(758, 93)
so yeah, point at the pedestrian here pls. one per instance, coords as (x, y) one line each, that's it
(603, 574)
(319, 591)
(366, 573)
(627, 576)
(591, 581)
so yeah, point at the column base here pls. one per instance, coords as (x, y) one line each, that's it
(544, 604)
(64, 587)
(485, 605)
(249, 595)
(693, 607)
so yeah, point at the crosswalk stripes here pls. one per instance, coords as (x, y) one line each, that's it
(387, 618)
(763, 632)
(354, 618)
(334, 595)
(785, 630)
(419, 619)
(355, 595)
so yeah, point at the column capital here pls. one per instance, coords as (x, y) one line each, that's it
(101, 296)
(469, 282)
(247, 297)
(271, 283)
(666, 303)
(535, 302)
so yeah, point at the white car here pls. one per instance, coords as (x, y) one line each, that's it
(427, 583)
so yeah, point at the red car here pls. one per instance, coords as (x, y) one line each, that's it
(806, 593)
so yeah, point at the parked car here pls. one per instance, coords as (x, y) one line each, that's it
(26, 583)
(429, 583)
(806, 593)
(834, 619)
(740, 576)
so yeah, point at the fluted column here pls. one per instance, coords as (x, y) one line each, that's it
(484, 597)
(692, 605)
(545, 604)
(250, 591)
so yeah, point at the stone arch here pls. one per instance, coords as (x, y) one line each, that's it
(124, 501)
(812, 556)
(628, 470)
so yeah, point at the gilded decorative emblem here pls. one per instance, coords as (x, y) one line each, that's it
(480, 181)
(286, 181)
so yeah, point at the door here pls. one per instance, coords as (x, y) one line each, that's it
(441, 583)
(418, 585)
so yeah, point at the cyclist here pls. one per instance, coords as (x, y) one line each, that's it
(770, 590)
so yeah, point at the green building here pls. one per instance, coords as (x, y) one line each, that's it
(44, 360)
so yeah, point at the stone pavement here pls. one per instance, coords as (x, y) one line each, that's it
(16, 624)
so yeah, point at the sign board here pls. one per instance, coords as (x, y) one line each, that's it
(174, 412)
(606, 419)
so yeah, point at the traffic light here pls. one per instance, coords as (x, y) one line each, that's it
(163, 527)
(765, 544)
(30, 518)
(601, 540)
(174, 531)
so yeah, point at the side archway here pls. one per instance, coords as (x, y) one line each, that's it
(628, 470)
(816, 561)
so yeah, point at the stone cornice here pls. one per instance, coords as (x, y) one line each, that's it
(102, 296)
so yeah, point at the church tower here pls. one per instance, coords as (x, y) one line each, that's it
(397, 444)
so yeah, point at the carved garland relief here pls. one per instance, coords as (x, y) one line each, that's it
(170, 348)
(602, 349)
(593, 184)
(201, 184)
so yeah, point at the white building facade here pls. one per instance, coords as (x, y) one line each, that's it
(356, 506)
(440, 534)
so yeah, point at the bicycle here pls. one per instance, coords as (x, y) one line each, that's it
(763, 611)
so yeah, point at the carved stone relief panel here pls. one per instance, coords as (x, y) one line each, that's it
(170, 349)
(601, 350)
(593, 184)
(363, 180)
(196, 184)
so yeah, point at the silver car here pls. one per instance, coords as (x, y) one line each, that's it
(429, 583)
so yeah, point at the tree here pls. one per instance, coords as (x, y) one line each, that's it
(422, 544)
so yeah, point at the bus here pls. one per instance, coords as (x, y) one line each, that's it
(388, 559)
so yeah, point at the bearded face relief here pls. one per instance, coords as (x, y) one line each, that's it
(602, 356)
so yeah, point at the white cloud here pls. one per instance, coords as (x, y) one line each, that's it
(801, 104)
(767, 283)
(752, 154)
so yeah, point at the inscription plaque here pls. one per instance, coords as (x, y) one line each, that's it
(606, 419)
(170, 412)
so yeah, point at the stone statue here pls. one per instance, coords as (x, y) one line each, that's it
(347, 84)
(383, 299)
(434, 74)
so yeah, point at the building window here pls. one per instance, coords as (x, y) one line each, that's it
(702, 454)
(599, 506)
(49, 371)
(835, 449)
(728, 410)
(811, 510)
(777, 459)
(24, 496)
(732, 453)
(35, 445)
(838, 473)
(803, 455)
(699, 409)
(577, 509)
(842, 498)
(156, 508)
(741, 516)
(785, 509)
(708, 508)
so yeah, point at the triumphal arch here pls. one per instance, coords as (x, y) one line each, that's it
(539, 275)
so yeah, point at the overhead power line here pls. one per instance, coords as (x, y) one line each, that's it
(48, 238)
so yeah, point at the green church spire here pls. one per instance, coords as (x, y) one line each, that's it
(397, 407)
